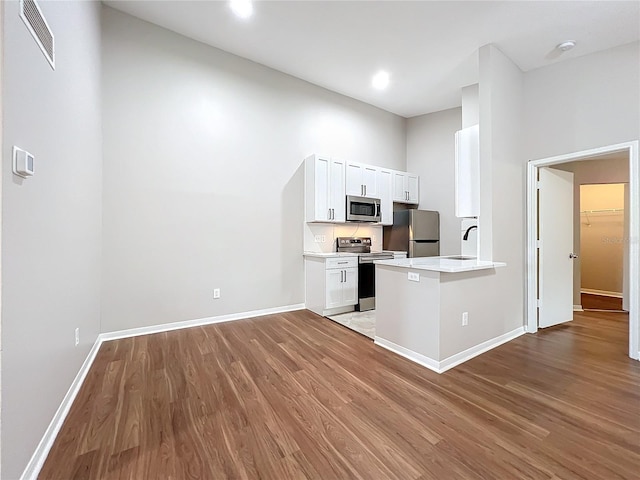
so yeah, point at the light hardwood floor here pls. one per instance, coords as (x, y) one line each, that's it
(296, 396)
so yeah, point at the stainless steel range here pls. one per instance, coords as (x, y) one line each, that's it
(361, 246)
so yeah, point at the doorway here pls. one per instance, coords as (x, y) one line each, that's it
(629, 151)
(602, 246)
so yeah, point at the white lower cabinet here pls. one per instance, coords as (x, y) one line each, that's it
(331, 284)
(341, 287)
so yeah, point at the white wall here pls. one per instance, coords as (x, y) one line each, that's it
(583, 103)
(501, 224)
(431, 154)
(51, 222)
(203, 174)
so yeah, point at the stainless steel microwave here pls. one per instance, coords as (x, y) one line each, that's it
(363, 209)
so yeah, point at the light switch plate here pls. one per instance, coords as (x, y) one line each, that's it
(22, 163)
(413, 277)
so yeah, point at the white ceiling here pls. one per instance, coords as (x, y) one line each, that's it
(428, 47)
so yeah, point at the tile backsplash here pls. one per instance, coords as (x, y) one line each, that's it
(326, 235)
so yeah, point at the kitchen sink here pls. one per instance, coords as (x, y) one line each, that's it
(461, 257)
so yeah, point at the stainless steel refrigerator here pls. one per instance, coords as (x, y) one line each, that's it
(416, 232)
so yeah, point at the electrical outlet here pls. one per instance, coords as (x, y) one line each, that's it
(413, 277)
(77, 336)
(216, 293)
(318, 238)
(323, 238)
(465, 319)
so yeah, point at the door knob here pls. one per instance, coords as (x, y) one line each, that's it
(573, 255)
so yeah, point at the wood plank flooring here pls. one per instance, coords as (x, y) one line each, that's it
(600, 302)
(296, 396)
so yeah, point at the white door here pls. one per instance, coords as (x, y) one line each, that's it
(337, 201)
(369, 181)
(334, 282)
(399, 187)
(350, 286)
(555, 254)
(354, 180)
(386, 202)
(413, 189)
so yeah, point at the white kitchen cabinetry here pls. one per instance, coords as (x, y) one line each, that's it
(406, 187)
(361, 180)
(324, 194)
(331, 284)
(385, 187)
(467, 169)
(342, 287)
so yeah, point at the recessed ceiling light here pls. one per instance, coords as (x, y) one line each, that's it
(380, 80)
(564, 46)
(242, 8)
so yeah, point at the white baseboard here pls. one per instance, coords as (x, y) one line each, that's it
(167, 327)
(454, 360)
(418, 358)
(38, 458)
(469, 353)
(578, 308)
(603, 293)
(32, 470)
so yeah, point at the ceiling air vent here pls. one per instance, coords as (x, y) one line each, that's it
(34, 20)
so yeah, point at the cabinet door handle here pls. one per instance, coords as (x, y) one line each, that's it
(333, 214)
(365, 190)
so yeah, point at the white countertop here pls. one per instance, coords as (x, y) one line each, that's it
(441, 264)
(329, 254)
(344, 254)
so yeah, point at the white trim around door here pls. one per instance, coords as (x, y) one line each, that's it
(634, 234)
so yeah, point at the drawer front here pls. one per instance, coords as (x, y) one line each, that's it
(341, 262)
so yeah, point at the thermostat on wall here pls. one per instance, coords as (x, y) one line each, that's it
(22, 163)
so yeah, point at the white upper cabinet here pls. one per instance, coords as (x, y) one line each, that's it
(406, 187)
(385, 187)
(324, 189)
(361, 180)
(467, 169)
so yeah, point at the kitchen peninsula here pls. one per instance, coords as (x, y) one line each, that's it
(440, 311)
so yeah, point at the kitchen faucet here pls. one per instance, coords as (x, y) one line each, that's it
(466, 234)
